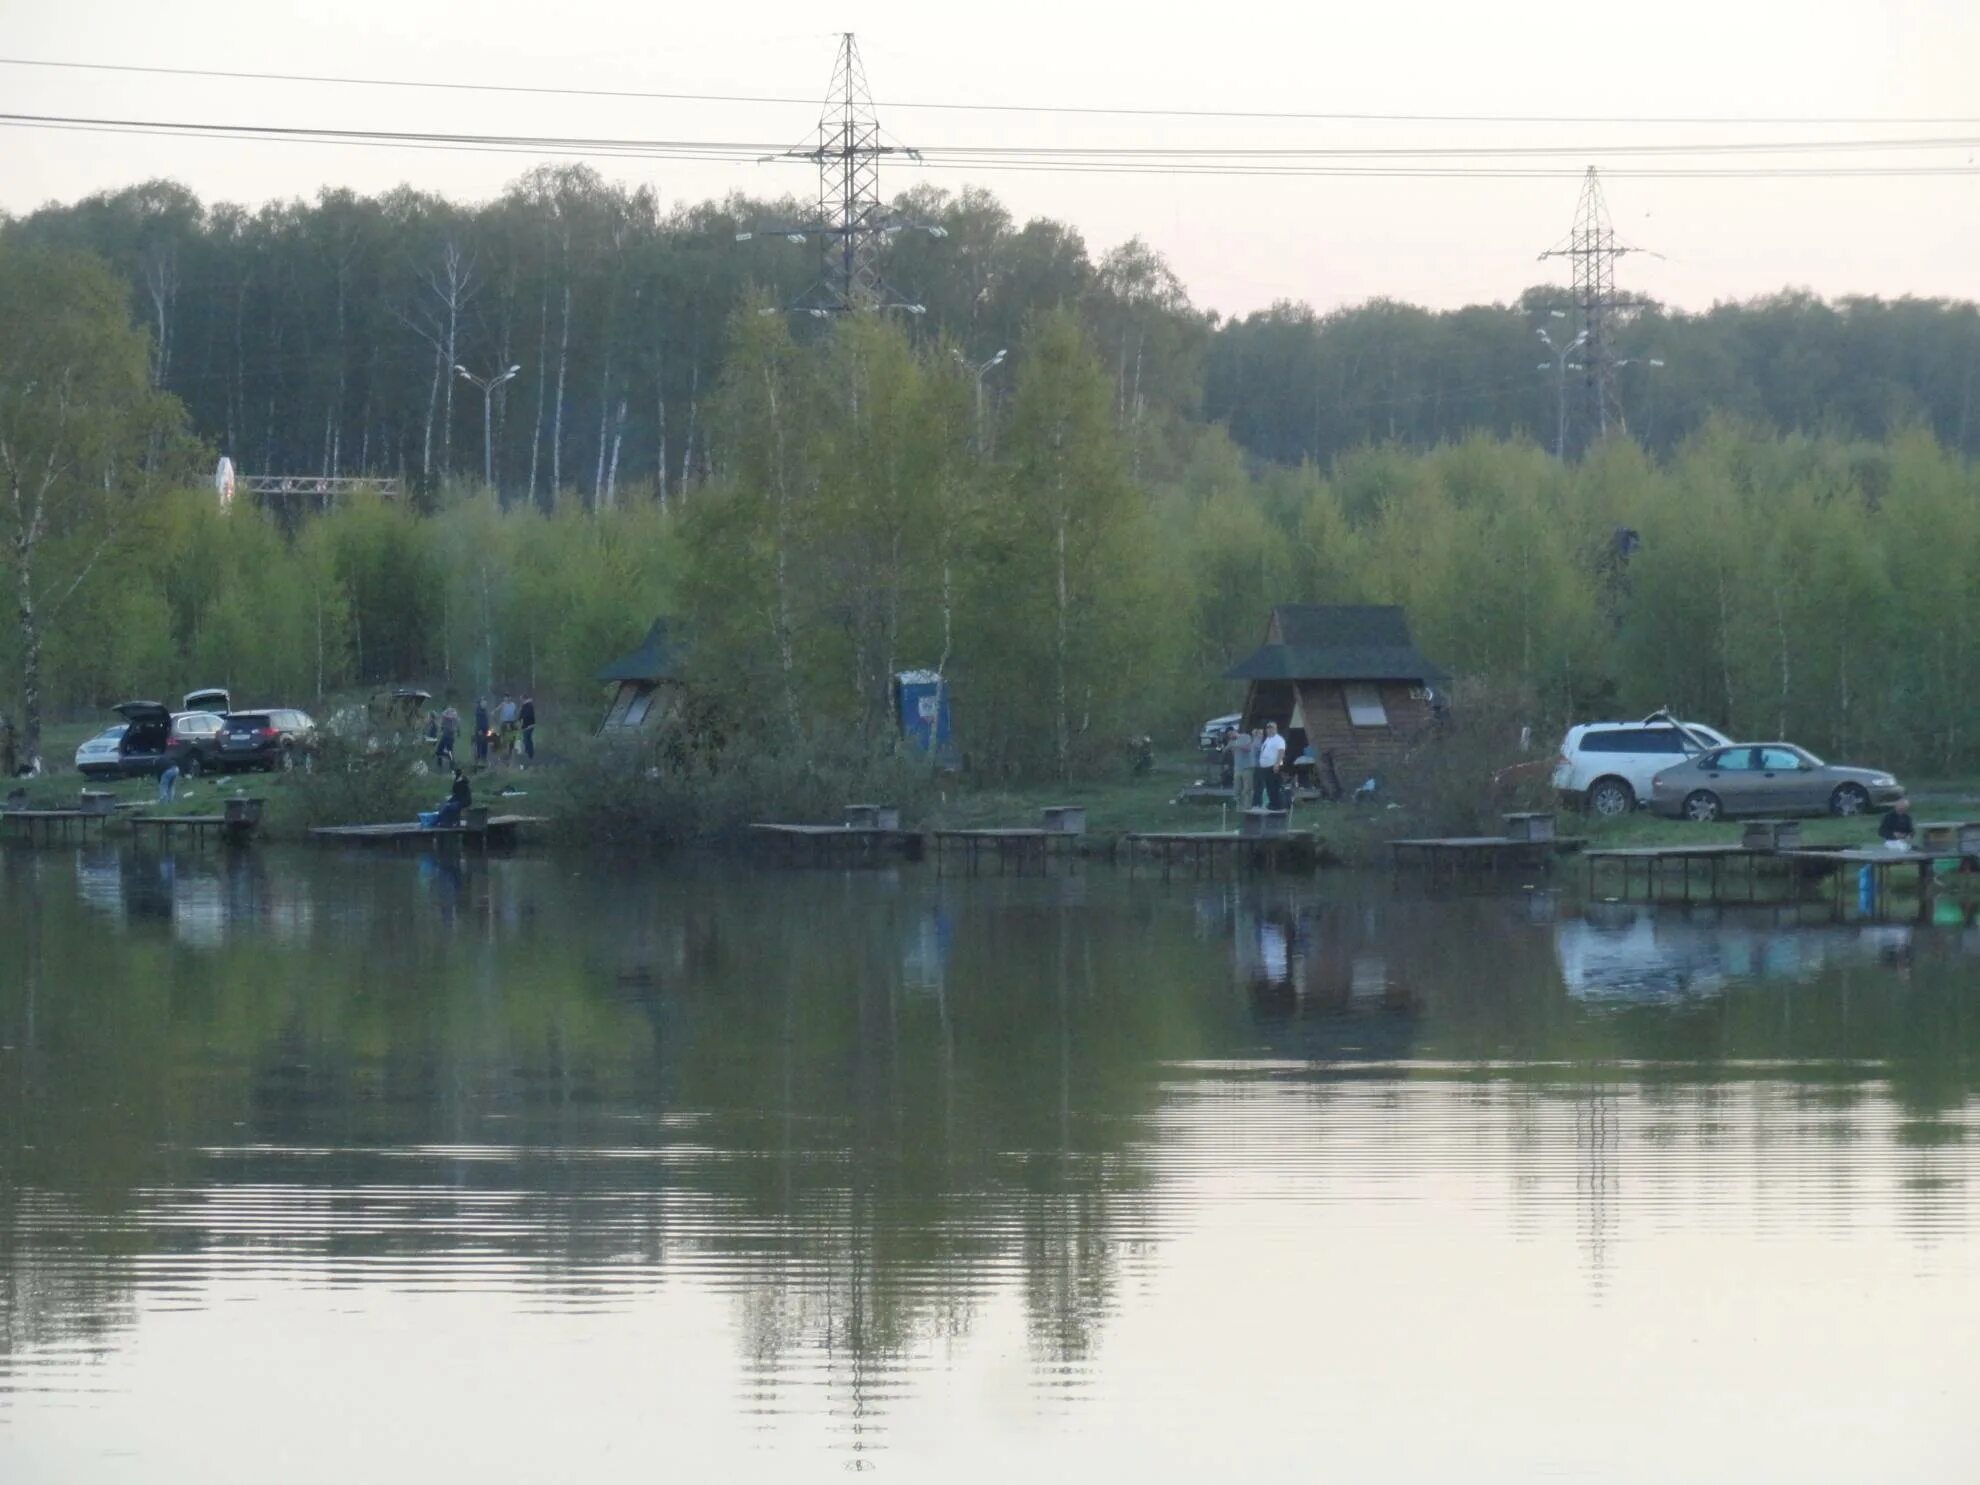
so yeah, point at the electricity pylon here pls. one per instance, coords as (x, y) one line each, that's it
(852, 223)
(1592, 248)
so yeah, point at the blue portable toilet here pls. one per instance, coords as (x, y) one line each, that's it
(921, 702)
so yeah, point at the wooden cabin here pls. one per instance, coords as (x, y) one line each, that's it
(1346, 679)
(648, 682)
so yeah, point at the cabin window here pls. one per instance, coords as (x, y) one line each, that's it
(637, 708)
(1364, 705)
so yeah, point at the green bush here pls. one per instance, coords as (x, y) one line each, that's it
(662, 790)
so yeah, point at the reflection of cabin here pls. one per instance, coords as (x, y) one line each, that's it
(1345, 678)
(649, 680)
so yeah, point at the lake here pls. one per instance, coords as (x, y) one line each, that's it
(323, 1168)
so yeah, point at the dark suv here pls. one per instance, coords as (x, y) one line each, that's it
(276, 738)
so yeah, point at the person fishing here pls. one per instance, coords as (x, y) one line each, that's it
(460, 799)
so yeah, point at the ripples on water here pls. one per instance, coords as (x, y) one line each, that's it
(526, 1169)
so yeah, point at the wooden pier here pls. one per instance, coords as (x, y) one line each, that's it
(1205, 850)
(1477, 853)
(1653, 861)
(230, 829)
(1529, 841)
(47, 824)
(1880, 864)
(496, 830)
(818, 845)
(1017, 846)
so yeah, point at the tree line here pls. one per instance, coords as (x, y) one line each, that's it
(1079, 580)
(320, 337)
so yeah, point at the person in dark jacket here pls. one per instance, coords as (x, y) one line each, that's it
(460, 799)
(481, 733)
(1896, 829)
(528, 719)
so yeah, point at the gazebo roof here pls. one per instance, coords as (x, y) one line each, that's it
(658, 658)
(1338, 642)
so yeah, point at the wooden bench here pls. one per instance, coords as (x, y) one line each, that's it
(1962, 836)
(1533, 825)
(873, 817)
(1064, 819)
(1771, 835)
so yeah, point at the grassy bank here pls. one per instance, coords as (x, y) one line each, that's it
(594, 796)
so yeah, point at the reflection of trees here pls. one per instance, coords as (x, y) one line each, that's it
(578, 1087)
(865, 1107)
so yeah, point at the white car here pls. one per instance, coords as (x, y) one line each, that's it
(102, 756)
(1606, 767)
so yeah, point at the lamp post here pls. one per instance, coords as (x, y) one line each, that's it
(488, 384)
(980, 371)
(1559, 366)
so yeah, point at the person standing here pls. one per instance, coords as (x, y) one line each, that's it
(505, 729)
(528, 718)
(10, 761)
(450, 728)
(168, 783)
(1271, 758)
(481, 732)
(1242, 747)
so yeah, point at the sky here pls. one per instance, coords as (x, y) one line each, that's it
(1238, 242)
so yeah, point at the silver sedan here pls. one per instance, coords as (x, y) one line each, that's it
(1767, 779)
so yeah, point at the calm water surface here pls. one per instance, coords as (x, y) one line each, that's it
(332, 1169)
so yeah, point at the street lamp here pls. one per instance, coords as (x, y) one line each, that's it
(980, 371)
(1559, 366)
(488, 384)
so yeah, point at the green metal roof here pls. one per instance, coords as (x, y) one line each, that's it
(1338, 642)
(658, 658)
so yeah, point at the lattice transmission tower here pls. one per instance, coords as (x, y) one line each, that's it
(852, 224)
(1592, 249)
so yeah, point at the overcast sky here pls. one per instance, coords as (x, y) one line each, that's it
(1237, 243)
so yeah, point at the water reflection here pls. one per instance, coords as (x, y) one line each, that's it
(877, 1141)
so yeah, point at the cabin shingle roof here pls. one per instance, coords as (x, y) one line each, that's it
(658, 658)
(1338, 642)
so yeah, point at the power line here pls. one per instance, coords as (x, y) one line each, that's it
(1062, 159)
(948, 105)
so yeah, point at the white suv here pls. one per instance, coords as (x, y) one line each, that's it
(1606, 767)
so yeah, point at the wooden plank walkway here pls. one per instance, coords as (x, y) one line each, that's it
(1020, 845)
(1486, 853)
(48, 823)
(817, 844)
(1655, 859)
(500, 830)
(1203, 850)
(197, 826)
(1880, 864)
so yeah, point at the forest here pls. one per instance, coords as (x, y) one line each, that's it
(1784, 539)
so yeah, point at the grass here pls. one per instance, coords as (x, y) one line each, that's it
(1114, 805)
(1952, 801)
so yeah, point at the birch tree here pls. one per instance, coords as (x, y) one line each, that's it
(77, 411)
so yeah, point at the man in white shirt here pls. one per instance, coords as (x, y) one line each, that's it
(1271, 756)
